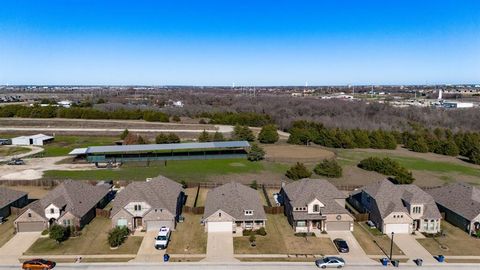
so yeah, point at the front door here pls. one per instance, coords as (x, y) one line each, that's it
(137, 222)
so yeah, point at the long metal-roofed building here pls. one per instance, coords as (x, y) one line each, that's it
(171, 151)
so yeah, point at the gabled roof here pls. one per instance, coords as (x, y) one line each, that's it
(234, 198)
(461, 198)
(159, 193)
(392, 198)
(304, 191)
(75, 197)
(8, 196)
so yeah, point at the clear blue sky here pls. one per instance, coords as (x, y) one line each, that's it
(246, 42)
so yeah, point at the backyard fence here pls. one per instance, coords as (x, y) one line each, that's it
(273, 209)
(193, 210)
(102, 213)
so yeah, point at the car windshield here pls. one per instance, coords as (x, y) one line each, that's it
(161, 238)
(326, 260)
(342, 243)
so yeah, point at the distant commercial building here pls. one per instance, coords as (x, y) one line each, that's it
(457, 105)
(38, 139)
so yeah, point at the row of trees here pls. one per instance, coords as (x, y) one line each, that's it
(81, 113)
(238, 118)
(305, 132)
(387, 167)
(328, 168)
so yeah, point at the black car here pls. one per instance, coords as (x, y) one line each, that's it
(341, 245)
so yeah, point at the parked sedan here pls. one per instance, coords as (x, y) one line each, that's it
(38, 264)
(336, 262)
(341, 245)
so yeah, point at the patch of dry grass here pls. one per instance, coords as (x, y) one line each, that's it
(189, 237)
(366, 241)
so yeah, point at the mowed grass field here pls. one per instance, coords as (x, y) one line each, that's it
(12, 150)
(188, 170)
(62, 145)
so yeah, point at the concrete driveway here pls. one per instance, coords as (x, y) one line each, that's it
(147, 251)
(220, 247)
(410, 246)
(356, 253)
(15, 248)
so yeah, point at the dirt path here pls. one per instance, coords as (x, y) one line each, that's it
(34, 168)
(33, 150)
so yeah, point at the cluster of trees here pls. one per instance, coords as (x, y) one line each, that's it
(81, 113)
(243, 133)
(117, 236)
(329, 168)
(167, 138)
(305, 132)
(206, 137)
(387, 167)
(238, 118)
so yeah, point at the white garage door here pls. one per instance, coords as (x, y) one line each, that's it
(220, 226)
(155, 225)
(396, 228)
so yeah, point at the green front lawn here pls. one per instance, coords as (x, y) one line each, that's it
(92, 241)
(187, 170)
(189, 237)
(456, 242)
(6, 231)
(280, 239)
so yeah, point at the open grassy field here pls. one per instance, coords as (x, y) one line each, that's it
(280, 239)
(11, 151)
(428, 169)
(62, 145)
(456, 242)
(188, 170)
(189, 237)
(93, 240)
(7, 230)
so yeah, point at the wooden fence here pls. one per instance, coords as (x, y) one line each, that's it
(193, 210)
(102, 213)
(273, 209)
(361, 217)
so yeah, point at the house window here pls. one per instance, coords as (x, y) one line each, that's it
(29, 214)
(417, 210)
(137, 207)
(67, 222)
(316, 208)
(248, 212)
(301, 223)
(219, 214)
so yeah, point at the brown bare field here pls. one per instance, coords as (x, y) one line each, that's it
(289, 153)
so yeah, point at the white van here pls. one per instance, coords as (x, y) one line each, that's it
(161, 241)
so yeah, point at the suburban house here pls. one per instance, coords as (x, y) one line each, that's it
(315, 205)
(461, 204)
(38, 139)
(148, 205)
(11, 198)
(72, 203)
(233, 207)
(398, 208)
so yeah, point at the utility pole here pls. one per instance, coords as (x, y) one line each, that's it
(391, 247)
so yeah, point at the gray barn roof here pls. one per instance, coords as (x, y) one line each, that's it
(160, 147)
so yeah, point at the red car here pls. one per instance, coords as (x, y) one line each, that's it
(38, 264)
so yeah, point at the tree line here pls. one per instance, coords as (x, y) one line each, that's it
(81, 113)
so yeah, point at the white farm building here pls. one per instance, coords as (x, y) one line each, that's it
(38, 139)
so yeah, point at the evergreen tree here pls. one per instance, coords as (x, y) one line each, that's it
(376, 140)
(300, 136)
(298, 171)
(329, 168)
(218, 137)
(243, 133)
(204, 136)
(449, 148)
(419, 145)
(268, 134)
(360, 138)
(58, 233)
(255, 153)
(389, 141)
(124, 134)
(474, 153)
(173, 138)
(161, 138)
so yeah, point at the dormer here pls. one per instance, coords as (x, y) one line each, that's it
(315, 206)
(248, 212)
(416, 210)
(52, 211)
(137, 209)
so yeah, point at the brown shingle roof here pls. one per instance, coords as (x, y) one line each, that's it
(234, 198)
(390, 198)
(159, 193)
(8, 196)
(461, 198)
(75, 196)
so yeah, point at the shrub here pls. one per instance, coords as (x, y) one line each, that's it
(389, 167)
(261, 231)
(255, 153)
(58, 233)
(124, 134)
(252, 238)
(268, 134)
(218, 137)
(176, 118)
(167, 138)
(247, 232)
(329, 168)
(45, 232)
(204, 136)
(254, 184)
(117, 236)
(298, 171)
